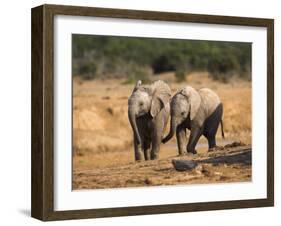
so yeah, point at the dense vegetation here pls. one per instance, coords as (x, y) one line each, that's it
(137, 58)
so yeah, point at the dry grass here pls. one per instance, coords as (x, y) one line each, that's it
(103, 136)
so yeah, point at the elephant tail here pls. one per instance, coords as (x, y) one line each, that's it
(222, 132)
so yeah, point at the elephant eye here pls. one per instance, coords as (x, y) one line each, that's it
(182, 113)
(141, 103)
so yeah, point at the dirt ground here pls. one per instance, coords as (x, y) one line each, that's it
(103, 150)
(228, 165)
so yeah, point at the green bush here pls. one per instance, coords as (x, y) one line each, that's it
(223, 65)
(88, 71)
(136, 74)
(162, 64)
(124, 57)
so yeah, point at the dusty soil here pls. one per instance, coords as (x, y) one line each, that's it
(231, 164)
(102, 137)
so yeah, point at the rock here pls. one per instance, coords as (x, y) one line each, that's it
(205, 170)
(110, 110)
(183, 165)
(148, 181)
(235, 144)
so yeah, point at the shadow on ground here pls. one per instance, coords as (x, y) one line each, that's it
(240, 158)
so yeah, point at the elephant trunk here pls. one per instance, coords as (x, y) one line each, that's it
(132, 119)
(173, 127)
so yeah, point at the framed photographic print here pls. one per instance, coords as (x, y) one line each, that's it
(141, 112)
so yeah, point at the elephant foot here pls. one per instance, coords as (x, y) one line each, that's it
(182, 152)
(139, 157)
(139, 160)
(147, 157)
(154, 157)
(194, 152)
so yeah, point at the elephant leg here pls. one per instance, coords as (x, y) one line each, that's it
(147, 154)
(211, 127)
(156, 141)
(157, 129)
(138, 150)
(155, 148)
(195, 134)
(147, 151)
(211, 137)
(181, 140)
(212, 142)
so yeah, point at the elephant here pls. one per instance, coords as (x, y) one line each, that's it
(198, 111)
(148, 113)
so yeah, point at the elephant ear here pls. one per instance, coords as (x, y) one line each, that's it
(161, 95)
(137, 86)
(193, 98)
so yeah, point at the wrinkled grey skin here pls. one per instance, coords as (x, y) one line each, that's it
(148, 112)
(200, 112)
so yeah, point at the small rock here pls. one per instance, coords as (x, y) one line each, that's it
(205, 171)
(148, 181)
(235, 144)
(110, 110)
(183, 165)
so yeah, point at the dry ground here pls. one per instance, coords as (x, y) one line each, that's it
(227, 165)
(103, 150)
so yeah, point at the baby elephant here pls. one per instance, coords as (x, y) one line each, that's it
(199, 111)
(148, 112)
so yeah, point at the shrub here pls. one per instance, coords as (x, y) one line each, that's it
(162, 64)
(138, 73)
(125, 57)
(223, 66)
(88, 71)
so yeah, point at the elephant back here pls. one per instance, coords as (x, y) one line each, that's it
(209, 100)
